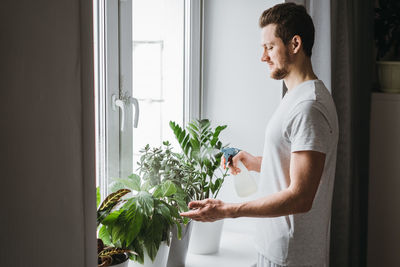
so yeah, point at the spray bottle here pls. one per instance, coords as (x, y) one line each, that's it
(245, 184)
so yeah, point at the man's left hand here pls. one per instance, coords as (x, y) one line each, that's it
(207, 210)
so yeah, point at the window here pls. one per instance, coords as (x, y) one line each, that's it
(147, 74)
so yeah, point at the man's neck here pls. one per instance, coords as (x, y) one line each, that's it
(299, 73)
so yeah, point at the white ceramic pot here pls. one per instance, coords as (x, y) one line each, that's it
(179, 248)
(124, 264)
(205, 237)
(389, 76)
(159, 261)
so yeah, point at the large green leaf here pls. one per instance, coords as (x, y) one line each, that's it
(104, 235)
(158, 191)
(168, 188)
(137, 246)
(145, 202)
(217, 131)
(117, 232)
(112, 217)
(163, 209)
(181, 198)
(134, 227)
(154, 234)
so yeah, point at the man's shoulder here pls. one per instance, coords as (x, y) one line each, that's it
(313, 95)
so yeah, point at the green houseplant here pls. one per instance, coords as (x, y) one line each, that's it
(158, 165)
(108, 255)
(201, 150)
(141, 222)
(162, 164)
(387, 41)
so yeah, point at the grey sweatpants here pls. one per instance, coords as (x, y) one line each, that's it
(264, 262)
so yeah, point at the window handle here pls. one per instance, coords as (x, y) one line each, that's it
(120, 104)
(135, 103)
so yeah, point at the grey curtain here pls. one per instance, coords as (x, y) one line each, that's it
(352, 64)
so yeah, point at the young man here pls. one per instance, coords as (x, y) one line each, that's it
(297, 168)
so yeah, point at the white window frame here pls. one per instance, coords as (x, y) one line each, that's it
(113, 33)
(193, 85)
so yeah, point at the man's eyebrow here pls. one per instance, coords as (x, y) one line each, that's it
(267, 43)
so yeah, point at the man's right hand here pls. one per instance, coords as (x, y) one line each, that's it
(251, 162)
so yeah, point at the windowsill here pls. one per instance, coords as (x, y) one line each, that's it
(236, 250)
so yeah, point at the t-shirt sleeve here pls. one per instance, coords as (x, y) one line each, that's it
(307, 128)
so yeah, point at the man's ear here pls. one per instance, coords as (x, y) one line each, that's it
(295, 44)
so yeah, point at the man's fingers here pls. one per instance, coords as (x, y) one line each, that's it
(194, 214)
(234, 169)
(196, 204)
(235, 159)
(191, 214)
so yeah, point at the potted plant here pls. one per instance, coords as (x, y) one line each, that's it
(142, 223)
(162, 164)
(158, 165)
(201, 152)
(108, 255)
(387, 40)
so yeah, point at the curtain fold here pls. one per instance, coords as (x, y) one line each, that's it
(352, 61)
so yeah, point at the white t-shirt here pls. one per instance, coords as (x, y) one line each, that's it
(306, 119)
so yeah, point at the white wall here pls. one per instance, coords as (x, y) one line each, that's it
(46, 137)
(237, 88)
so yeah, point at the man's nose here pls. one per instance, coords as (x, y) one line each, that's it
(265, 57)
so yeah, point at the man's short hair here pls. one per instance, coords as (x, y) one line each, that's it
(290, 20)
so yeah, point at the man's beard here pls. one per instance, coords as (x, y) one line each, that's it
(281, 73)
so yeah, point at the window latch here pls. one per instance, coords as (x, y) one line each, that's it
(135, 103)
(119, 103)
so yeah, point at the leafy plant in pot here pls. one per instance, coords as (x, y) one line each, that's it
(157, 166)
(201, 152)
(142, 223)
(387, 41)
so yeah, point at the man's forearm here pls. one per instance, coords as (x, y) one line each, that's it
(279, 204)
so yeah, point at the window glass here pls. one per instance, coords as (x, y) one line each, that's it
(158, 69)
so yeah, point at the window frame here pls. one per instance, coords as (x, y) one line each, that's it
(113, 74)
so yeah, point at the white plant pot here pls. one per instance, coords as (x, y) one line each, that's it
(124, 264)
(159, 261)
(179, 248)
(389, 76)
(205, 237)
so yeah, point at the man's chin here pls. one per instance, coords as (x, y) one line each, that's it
(274, 76)
(278, 75)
